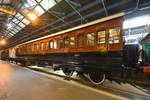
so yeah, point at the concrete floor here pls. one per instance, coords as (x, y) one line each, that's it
(132, 91)
(17, 83)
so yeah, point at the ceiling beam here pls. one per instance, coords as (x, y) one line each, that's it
(5, 4)
(104, 6)
(137, 4)
(7, 11)
(70, 4)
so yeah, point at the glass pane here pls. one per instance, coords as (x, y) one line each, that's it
(60, 43)
(47, 45)
(18, 28)
(36, 47)
(12, 25)
(39, 10)
(114, 34)
(25, 21)
(47, 4)
(42, 45)
(28, 48)
(51, 44)
(66, 42)
(55, 44)
(15, 20)
(32, 47)
(58, 0)
(19, 16)
(11, 33)
(31, 2)
(6, 1)
(80, 40)
(38, 0)
(72, 42)
(21, 25)
(101, 37)
(90, 39)
(15, 30)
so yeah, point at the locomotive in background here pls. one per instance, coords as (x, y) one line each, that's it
(96, 49)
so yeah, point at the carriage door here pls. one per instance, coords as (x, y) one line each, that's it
(115, 39)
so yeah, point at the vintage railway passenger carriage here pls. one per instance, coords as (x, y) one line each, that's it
(95, 48)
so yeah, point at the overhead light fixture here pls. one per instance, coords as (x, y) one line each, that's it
(3, 42)
(32, 16)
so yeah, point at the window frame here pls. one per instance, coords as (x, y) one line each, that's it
(33, 49)
(47, 45)
(55, 41)
(36, 47)
(51, 41)
(30, 48)
(70, 46)
(41, 46)
(87, 39)
(82, 40)
(116, 35)
(61, 43)
(101, 37)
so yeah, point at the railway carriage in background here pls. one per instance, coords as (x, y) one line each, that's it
(96, 49)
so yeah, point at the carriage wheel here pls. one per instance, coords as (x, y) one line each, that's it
(96, 78)
(67, 72)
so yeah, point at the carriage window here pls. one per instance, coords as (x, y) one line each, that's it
(47, 45)
(42, 45)
(114, 34)
(90, 39)
(55, 44)
(24, 48)
(32, 47)
(51, 44)
(27, 47)
(66, 42)
(80, 40)
(101, 36)
(60, 43)
(72, 42)
(36, 47)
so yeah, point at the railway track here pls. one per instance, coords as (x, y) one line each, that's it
(84, 81)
